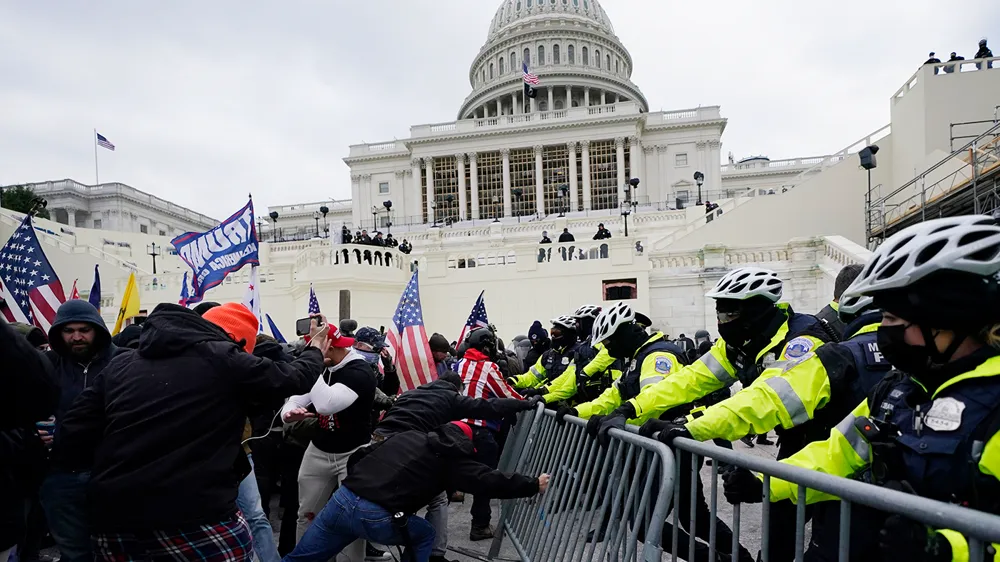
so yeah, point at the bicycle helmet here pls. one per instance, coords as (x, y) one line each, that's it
(851, 306)
(747, 282)
(564, 322)
(608, 322)
(587, 311)
(968, 244)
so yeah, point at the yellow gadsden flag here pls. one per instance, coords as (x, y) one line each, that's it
(130, 304)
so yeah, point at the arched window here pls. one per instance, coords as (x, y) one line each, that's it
(527, 56)
(617, 66)
(501, 73)
(555, 54)
(609, 63)
(586, 57)
(529, 3)
(597, 57)
(513, 61)
(491, 71)
(541, 55)
(571, 54)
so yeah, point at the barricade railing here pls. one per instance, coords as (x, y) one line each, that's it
(978, 527)
(603, 502)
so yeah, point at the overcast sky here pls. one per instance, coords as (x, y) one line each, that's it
(207, 101)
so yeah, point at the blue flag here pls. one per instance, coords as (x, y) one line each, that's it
(274, 330)
(222, 250)
(95, 290)
(184, 291)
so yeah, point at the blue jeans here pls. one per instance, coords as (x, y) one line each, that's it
(64, 499)
(248, 501)
(347, 518)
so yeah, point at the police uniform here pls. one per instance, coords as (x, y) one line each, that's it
(655, 360)
(947, 448)
(553, 363)
(586, 384)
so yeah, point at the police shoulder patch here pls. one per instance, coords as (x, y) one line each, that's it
(798, 347)
(663, 365)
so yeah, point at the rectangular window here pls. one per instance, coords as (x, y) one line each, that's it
(620, 289)
(603, 175)
(681, 159)
(163, 233)
(684, 195)
(143, 229)
(383, 187)
(98, 223)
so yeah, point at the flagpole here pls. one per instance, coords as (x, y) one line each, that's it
(97, 173)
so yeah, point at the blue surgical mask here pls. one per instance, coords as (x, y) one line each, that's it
(371, 357)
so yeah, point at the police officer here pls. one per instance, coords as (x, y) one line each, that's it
(553, 362)
(806, 397)
(593, 368)
(756, 332)
(930, 426)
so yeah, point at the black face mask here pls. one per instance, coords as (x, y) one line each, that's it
(567, 338)
(623, 344)
(911, 359)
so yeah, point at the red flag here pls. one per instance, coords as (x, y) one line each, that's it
(74, 294)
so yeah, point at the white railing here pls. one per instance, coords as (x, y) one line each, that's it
(702, 220)
(840, 155)
(352, 256)
(945, 69)
(761, 164)
(707, 113)
(843, 252)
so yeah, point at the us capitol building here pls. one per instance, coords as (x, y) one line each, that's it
(473, 196)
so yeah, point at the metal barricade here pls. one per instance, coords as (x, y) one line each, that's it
(978, 527)
(621, 492)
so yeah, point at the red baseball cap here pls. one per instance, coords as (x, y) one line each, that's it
(338, 339)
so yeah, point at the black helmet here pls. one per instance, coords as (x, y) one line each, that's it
(482, 339)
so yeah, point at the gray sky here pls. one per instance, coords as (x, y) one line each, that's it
(207, 101)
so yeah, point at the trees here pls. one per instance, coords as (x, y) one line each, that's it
(19, 198)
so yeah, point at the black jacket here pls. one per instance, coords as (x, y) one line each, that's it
(403, 474)
(437, 403)
(162, 424)
(30, 392)
(536, 352)
(832, 319)
(75, 376)
(566, 237)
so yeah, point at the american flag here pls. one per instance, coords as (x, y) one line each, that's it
(409, 339)
(73, 293)
(477, 318)
(103, 141)
(529, 78)
(251, 299)
(313, 303)
(29, 286)
(185, 293)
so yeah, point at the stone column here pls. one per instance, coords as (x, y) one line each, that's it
(585, 162)
(551, 105)
(620, 161)
(414, 194)
(505, 152)
(474, 184)
(499, 108)
(603, 97)
(702, 163)
(539, 181)
(429, 164)
(635, 156)
(572, 176)
(71, 218)
(366, 197)
(356, 195)
(715, 166)
(514, 106)
(652, 179)
(569, 97)
(586, 97)
(664, 175)
(460, 168)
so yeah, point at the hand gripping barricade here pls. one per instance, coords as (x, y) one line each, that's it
(624, 487)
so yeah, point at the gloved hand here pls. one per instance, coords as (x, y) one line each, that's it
(594, 424)
(561, 414)
(905, 539)
(510, 382)
(530, 403)
(673, 431)
(742, 486)
(614, 421)
(534, 392)
(652, 426)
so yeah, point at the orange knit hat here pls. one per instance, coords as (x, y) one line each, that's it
(237, 321)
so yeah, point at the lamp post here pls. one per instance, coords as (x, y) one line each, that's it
(626, 210)
(153, 250)
(374, 219)
(275, 231)
(518, 192)
(316, 218)
(496, 213)
(326, 227)
(450, 200)
(699, 178)
(388, 221)
(628, 205)
(563, 199)
(434, 220)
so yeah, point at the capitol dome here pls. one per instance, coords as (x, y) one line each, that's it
(569, 44)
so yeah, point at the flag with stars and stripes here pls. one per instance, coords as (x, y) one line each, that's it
(29, 287)
(477, 318)
(530, 81)
(313, 302)
(251, 299)
(409, 338)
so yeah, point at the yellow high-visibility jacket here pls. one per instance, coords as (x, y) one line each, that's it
(847, 452)
(797, 336)
(539, 373)
(564, 386)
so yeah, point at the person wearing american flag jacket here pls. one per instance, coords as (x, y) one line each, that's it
(482, 379)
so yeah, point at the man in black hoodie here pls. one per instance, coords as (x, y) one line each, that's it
(81, 348)
(161, 429)
(400, 476)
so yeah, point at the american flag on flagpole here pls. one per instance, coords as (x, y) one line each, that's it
(29, 286)
(529, 78)
(477, 318)
(409, 338)
(103, 141)
(313, 303)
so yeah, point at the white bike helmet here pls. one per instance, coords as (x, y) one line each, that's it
(587, 311)
(608, 322)
(969, 244)
(564, 322)
(746, 282)
(852, 305)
